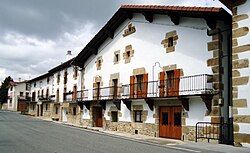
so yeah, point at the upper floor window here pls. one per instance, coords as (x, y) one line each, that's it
(34, 84)
(75, 72)
(65, 77)
(58, 78)
(21, 94)
(48, 79)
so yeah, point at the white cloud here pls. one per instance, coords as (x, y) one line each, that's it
(26, 57)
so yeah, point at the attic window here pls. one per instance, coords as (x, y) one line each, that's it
(116, 57)
(170, 41)
(130, 29)
(99, 62)
(128, 53)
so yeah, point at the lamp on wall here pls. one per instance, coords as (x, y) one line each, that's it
(153, 73)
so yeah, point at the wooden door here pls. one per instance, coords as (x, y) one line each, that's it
(170, 122)
(41, 110)
(98, 116)
(173, 79)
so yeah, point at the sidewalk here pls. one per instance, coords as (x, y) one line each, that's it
(164, 142)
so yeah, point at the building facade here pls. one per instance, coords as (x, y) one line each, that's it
(155, 70)
(18, 96)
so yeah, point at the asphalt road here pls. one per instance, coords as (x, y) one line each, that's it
(22, 134)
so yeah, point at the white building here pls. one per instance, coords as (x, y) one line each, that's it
(18, 96)
(154, 70)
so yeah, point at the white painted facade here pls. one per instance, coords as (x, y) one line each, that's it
(190, 54)
(244, 90)
(14, 94)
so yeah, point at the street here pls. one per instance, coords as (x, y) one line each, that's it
(23, 134)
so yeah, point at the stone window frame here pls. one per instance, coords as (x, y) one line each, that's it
(128, 54)
(116, 114)
(144, 113)
(170, 41)
(117, 57)
(99, 62)
(114, 109)
(129, 30)
(119, 90)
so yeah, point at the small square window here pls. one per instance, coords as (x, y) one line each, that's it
(170, 42)
(128, 53)
(138, 116)
(114, 116)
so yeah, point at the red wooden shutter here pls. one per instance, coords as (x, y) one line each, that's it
(161, 87)
(176, 81)
(132, 81)
(145, 85)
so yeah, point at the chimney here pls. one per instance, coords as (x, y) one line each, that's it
(68, 55)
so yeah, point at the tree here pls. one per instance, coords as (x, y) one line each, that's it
(4, 89)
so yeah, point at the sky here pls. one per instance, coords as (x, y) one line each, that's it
(36, 34)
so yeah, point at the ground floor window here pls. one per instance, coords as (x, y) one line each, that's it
(46, 107)
(138, 115)
(74, 110)
(114, 116)
(56, 110)
(33, 107)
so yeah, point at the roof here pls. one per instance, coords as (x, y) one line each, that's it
(230, 3)
(62, 66)
(40, 77)
(126, 12)
(13, 83)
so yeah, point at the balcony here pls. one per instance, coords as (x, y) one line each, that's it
(107, 93)
(183, 86)
(69, 97)
(24, 98)
(82, 95)
(46, 98)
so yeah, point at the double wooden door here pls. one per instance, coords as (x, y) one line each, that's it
(170, 122)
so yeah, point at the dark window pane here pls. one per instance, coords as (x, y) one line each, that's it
(164, 118)
(114, 116)
(177, 119)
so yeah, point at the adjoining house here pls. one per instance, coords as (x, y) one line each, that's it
(42, 97)
(157, 71)
(18, 96)
(240, 69)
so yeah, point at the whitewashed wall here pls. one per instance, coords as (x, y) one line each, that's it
(190, 52)
(243, 91)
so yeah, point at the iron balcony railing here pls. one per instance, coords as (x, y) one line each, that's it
(107, 93)
(82, 95)
(52, 97)
(69, 97)
(45, 98)
(187, 85)
(26, 98)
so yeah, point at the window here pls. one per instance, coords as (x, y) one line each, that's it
(33, 107)
(170, 41)
(58, 78)
(64, 93)
(48, 79)
(115, 87)
(128, 53)
(65, 77)
(74, 92)
(138, 116)
(99, 62)
(34, 84)
(139, 82)
(57, 95)
(26, 95)
(170, 79)
(56, 110)
(11, 88)
(21, 94)
(114, 116)
(74, 110)
(47, 93)
(46, 107)
(75, 72)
